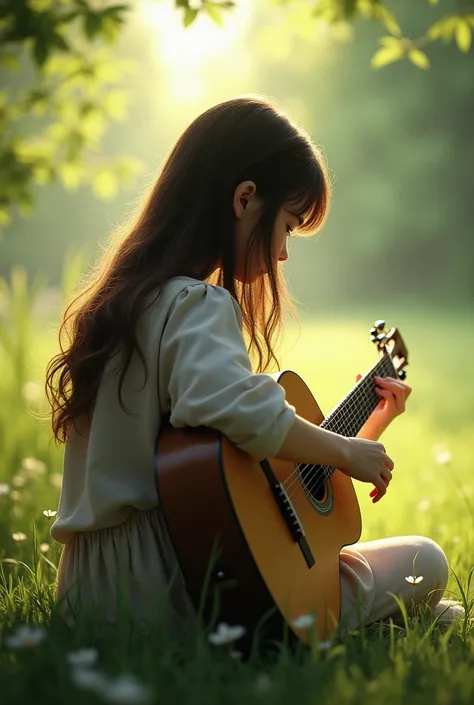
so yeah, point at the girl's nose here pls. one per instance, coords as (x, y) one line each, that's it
(283, 254)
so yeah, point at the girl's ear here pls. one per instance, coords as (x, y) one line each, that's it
(245, 199)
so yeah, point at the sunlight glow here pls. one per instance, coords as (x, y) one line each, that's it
(187, 51)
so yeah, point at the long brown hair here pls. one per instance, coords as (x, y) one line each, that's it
(185, 227)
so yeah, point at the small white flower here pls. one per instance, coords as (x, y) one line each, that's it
(33, 467)
(18, 480)
(126, 690)
(424, 505)
(4, 489)
(226, 634)
(88, 679)
(31, 391)
(304, 621)
(195, 4)
(414, 581)
(82, 658)
(456, 539)
(441, 454)
(263, 683)
(25, 637)
(15, 495)
(49, 513)
(19, 536)
(44, 547)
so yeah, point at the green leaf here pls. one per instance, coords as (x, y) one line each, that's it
(59, 42)
(115, 104)
(40, 5)
(189, 16)
(444, 28)
(386, 55)
(215, 13)
(41, 51)
(92, 25)
(389, 20)
(419, 58)
(70, 174)
(463, 35)
(43, 175)
(390, 42)
(105, 184)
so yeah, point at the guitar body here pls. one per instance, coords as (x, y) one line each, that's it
(214, 495)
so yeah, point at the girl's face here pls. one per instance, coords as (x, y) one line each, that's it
(247, 207)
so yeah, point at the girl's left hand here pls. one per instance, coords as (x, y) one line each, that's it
(393, 393)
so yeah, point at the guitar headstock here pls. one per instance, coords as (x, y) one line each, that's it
(392, 342)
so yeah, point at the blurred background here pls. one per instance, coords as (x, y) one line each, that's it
(397, 139)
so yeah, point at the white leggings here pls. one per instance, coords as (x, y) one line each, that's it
(374, 568)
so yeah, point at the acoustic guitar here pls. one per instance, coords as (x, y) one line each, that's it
(258, 542)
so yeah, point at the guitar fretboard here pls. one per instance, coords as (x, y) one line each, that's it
(353, 411)
(348, 417)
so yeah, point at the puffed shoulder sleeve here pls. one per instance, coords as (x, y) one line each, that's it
(205, 368)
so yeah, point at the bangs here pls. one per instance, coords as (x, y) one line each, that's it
(311, 199)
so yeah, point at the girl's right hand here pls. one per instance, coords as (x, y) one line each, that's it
(367, 461)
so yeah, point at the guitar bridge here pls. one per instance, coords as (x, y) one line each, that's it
(288, 512)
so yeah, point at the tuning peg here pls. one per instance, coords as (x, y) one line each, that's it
(402, 374)
(380, 325)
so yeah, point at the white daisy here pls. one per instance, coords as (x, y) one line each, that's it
(304, 621)
(82, 658)
(25, 637)
(49, 513)
(225, 634)
(126, 690)
(413, 580)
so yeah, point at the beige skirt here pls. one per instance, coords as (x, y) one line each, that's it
(94, 564)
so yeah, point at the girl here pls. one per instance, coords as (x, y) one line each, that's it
(158, 332)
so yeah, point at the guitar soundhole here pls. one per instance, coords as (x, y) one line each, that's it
(317, 486)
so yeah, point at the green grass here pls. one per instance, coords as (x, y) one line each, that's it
(383, 663)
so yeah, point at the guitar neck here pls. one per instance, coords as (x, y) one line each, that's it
(348, 417)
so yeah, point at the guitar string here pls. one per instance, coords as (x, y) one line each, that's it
(339, 415)
(308, 488)
(348, 423)
(334, 418)
(345, 419)
(311, 488)
(352, 422)
(342, 425)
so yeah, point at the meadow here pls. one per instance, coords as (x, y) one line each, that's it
(46, 659)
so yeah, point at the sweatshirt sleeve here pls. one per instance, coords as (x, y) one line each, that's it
(206, 368)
